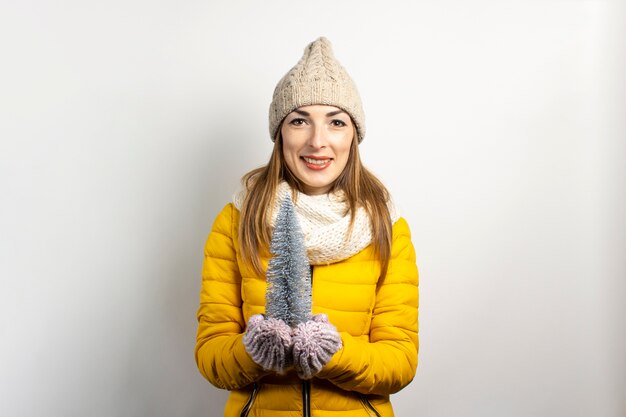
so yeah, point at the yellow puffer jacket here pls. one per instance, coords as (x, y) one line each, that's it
(377, 321)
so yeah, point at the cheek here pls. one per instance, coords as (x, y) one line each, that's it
(290, 154)
(344, 160)
(345, 150)
(290, 143)
(288, 149)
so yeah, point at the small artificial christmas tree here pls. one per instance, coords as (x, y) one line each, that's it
(288, 335)
(288, 274)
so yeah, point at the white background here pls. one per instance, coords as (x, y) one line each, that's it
(498, 126)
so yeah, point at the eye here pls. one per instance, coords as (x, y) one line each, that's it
(298, 121)
(338, 123)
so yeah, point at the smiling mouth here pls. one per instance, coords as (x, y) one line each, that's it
(316, 163)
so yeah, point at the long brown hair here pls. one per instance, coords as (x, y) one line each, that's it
(361, 188)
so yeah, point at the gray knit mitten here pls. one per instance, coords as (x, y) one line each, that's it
(268, 342)
(314, 343)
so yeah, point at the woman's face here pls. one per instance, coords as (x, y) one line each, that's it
(316, 145)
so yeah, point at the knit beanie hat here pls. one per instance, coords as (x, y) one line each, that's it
(317, 78)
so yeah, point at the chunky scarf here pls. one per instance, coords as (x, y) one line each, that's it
(325, 221)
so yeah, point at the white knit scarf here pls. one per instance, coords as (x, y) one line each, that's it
(325, 221)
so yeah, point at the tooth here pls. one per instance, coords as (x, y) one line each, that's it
(316, 161)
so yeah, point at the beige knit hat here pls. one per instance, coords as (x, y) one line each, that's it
(316, 79)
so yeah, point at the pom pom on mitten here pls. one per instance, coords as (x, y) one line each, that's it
(268, 342)
(314, 343)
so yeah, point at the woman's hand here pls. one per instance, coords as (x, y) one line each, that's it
(268, 342)
(313, 344)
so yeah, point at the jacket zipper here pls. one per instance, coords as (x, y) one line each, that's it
(246, 408)
(306, 385)
(368, 406)
(306, 398)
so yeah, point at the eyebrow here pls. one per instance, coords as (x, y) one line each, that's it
(331, 114)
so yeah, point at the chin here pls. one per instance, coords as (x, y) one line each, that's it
(317, 187)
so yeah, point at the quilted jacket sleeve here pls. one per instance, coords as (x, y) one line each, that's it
(220, 354)
(387, 362)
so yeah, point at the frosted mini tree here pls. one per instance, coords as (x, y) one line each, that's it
(288, 274)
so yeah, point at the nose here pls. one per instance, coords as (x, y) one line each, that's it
(317, 139)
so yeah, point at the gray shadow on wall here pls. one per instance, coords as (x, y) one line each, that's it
(200, 169)
(214, 163)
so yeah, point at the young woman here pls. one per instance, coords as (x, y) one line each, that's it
(361, 343)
